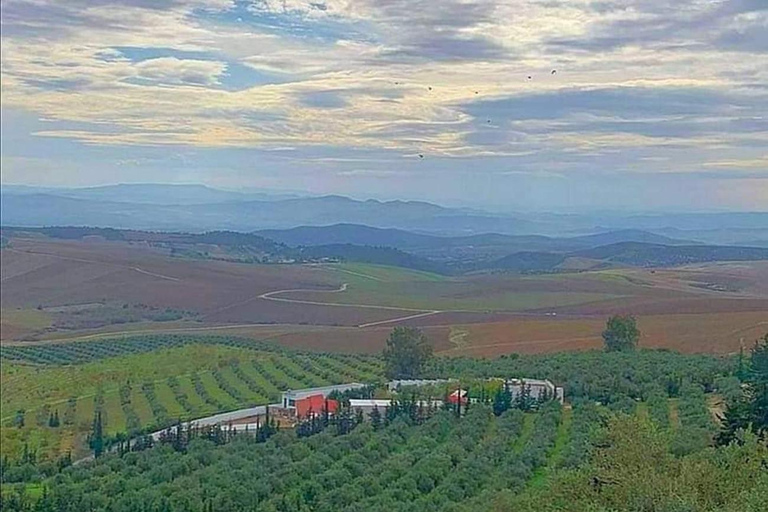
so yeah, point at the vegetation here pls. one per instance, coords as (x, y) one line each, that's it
(750, 410)
(636, 435)
(406, 353)
(146, 383)
(621, 333)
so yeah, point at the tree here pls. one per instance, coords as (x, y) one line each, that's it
(621, 333)
(375, 415)
(524, 401)
(96, 440)
(406, 353)
(502, 401)
(751, 411)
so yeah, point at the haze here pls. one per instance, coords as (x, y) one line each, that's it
(527, 105)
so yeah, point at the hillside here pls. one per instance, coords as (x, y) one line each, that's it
(628, 235)
(622, 413)
(443, 255)
(459, 252)
(655, 255)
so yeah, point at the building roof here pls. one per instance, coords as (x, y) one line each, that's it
(532, 382)
(369, 402)
(324, 390)
(315, 404)
(393, 384)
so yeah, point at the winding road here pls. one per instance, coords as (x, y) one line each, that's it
(418, 313)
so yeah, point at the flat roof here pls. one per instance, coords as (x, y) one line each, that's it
(369, 402)
(537, 382)
(323, 390)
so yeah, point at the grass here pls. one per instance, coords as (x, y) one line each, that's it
(113, 412)
(674, 416)
(141, 405)
(273, 372)
(33, 319)
(216, 392)
(168, 400)
(541, 474)
(529, 422)
(355, 272)
(198, 404)
(396, 287)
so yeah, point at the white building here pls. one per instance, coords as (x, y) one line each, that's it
(367, 405)
(540, 389)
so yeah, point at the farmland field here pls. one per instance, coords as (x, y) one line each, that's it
(541, 459)
(197, 377)
(705, 307)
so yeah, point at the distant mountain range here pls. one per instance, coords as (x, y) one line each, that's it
(445, 255)
(140, 207)
(457, 249)
(197, 208)
(144, 193)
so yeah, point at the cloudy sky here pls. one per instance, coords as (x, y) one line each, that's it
(517, 104)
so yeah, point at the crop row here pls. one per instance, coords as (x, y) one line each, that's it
(445, 463)
(83, 352)
(239, 384)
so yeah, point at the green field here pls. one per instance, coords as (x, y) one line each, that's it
(232, 377)
(398, 287)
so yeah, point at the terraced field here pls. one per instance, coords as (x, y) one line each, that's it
(148, 383)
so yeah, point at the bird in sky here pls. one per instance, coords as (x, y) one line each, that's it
(476, 92)
(421, 156)
(553, 71)
(430, 87)
(529, 77)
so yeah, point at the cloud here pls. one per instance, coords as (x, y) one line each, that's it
(641, 86)
(698, 25)
(323, 99)
(170, 70)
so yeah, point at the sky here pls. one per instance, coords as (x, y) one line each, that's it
(562, 105)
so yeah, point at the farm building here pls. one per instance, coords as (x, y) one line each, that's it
(540, 389)
(291, 396)
(315, 405)
(368, 405)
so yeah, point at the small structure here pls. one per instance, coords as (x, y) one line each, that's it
(367, 405)
(290, 397)
(541, 390)
(458, 396)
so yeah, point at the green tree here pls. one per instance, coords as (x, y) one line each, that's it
(750, 412)
(96, 439)
(502, 401)
(621, 333)
(406, 353)
(375, 416)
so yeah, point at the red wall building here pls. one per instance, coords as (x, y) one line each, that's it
(315, 405)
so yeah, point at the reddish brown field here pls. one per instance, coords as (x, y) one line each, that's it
(53, 273)
(712, 332)
(697, 308)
